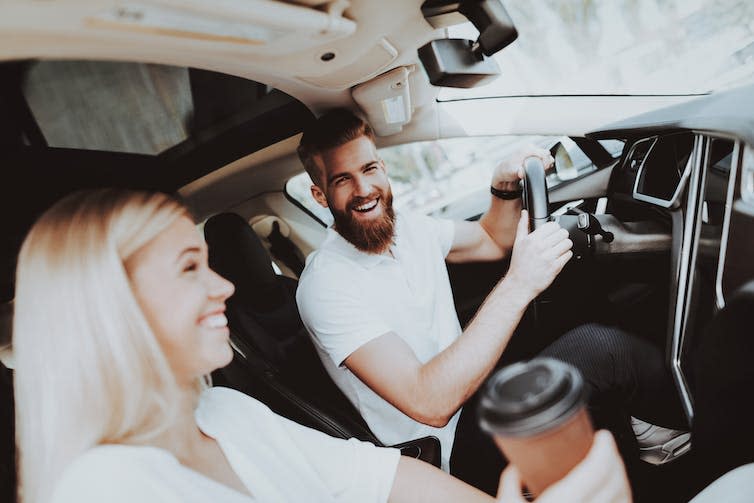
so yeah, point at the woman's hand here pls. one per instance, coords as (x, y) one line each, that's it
(599, 478)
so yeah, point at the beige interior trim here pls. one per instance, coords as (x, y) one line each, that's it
(285, 148)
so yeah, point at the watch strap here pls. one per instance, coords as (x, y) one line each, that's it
(506, 194)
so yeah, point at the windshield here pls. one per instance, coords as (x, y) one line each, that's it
(568, 47)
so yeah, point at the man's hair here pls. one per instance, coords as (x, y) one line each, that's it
(89, 369)
(335, 128)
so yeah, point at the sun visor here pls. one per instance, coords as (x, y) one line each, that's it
(386, 101)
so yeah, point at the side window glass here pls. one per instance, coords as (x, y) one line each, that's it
(614, 147)
(298, 189)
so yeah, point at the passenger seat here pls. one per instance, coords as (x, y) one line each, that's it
(274, 358)
(7, 419)
(722, 378)
(262, 313)
(7, 437)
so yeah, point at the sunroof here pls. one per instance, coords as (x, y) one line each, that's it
(129, 107)
(112, 106)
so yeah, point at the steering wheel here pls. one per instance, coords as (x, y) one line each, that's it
(536, 201)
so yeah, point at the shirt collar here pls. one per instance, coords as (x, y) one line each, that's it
(338, 244)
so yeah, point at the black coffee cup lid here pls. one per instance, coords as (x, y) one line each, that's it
(531, 397)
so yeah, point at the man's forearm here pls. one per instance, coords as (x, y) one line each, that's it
(500, 221)
(451, 377)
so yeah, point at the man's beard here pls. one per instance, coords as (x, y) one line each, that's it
(370, 236)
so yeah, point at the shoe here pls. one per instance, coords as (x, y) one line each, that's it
(658, 445)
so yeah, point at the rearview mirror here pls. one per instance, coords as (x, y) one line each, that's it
(495, 27)
(465, 63)
(450, 62)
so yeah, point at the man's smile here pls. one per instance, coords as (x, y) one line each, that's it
(366, 207)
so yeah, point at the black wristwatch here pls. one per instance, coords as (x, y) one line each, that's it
(506, 194)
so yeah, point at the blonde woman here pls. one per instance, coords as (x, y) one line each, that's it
(118, 319)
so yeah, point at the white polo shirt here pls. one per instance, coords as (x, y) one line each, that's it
(347, 298)
(276, 459)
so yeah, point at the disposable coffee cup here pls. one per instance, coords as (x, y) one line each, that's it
(536, 413)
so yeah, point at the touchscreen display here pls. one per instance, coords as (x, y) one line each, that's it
(662, 168)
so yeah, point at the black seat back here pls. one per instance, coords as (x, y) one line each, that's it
(274, 358)
(722, 369)
(267, 329)
(263, 307)
(7, 437)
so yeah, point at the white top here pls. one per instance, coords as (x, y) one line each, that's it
(276, 459)
(347, 298)
(736, 486)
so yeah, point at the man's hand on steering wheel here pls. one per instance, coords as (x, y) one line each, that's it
(538, 257)
(507, 174)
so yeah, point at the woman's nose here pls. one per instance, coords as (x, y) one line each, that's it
(220, 287)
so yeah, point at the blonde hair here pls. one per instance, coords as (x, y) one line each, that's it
(89, 369)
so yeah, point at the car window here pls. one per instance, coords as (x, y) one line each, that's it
(130, 107)
(447, 177)
(111, 106)
(613, 147)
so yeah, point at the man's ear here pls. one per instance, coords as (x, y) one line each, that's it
(319, 196)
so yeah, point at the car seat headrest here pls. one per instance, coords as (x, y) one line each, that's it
(236, 253)
(265, 225)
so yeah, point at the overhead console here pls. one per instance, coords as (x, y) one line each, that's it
(662, 165)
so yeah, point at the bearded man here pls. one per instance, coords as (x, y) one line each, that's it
(377, 302)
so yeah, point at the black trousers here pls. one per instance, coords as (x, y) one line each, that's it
(624, 376)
